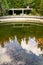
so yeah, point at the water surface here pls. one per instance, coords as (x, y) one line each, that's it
(21, 45)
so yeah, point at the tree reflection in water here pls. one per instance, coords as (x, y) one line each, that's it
(25, 54)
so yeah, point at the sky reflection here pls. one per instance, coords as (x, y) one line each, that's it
(31, 46)
(24, 54)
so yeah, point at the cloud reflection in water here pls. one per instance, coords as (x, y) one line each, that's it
(31, 46)
(24, 54)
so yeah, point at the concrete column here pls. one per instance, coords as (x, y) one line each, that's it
(13, 12)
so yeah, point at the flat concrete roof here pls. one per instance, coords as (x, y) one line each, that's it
(20, 9)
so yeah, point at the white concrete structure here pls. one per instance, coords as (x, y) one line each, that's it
(20, 10)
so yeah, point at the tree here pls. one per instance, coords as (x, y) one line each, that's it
(35, 4)
(18, 3)
(3, 6)
(41, 7)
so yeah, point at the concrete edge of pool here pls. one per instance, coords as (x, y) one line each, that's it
(36, 19)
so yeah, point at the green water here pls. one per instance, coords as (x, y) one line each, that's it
(20, 30)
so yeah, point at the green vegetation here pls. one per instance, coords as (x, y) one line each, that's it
(37, 5)
(41, 7)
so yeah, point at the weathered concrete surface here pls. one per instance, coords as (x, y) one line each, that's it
(21, 18)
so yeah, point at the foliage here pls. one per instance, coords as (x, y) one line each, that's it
(3, 6)
(41, 7)
(37, 5)
(33, 12)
